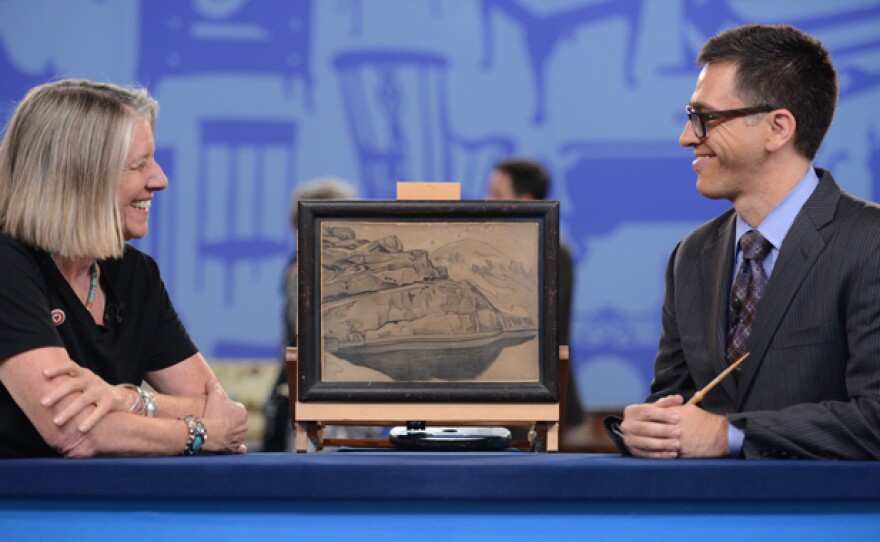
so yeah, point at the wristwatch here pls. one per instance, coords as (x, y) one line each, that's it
(197, 434)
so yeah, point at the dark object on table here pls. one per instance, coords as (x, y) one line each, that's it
(450, 439)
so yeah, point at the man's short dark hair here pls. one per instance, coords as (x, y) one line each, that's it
(526, 176)
(783, 67)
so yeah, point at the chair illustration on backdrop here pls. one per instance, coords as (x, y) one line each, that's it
(398, 116)
(248, 163)
(541, 33)
(186, 38)
(246, 173)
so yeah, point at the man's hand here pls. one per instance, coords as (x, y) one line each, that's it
(669, 429)
(703, 434)
(651, 430)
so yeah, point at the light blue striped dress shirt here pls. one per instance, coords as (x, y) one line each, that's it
(774, 228)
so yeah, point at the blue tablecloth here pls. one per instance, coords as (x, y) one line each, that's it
(378, 475)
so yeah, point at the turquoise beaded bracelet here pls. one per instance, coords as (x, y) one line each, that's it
(197, 434)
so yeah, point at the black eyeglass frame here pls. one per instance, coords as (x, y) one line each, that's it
(726, 114)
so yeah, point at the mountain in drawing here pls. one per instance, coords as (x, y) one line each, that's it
(508, 283)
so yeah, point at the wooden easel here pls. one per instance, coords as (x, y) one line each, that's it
(309, 418)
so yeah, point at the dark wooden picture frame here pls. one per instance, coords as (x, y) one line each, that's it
(428, 301)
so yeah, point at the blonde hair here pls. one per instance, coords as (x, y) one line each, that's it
(61, 164)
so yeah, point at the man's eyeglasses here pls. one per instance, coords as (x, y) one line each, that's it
(698, 119)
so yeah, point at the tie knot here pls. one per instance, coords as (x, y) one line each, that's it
(754, 246)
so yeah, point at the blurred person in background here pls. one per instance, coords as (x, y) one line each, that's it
(277, 435)
(523, 179)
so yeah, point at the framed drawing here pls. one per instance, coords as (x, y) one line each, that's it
(428, 301)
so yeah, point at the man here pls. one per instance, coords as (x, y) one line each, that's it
(804, 304)
(520, 179)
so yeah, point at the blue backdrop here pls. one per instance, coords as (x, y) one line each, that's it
(259, 96)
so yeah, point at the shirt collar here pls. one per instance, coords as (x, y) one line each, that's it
(776, 224)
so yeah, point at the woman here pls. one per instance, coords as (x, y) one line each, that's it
(85, 318)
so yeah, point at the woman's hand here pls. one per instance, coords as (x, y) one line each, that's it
(226, 421)
(89, 390)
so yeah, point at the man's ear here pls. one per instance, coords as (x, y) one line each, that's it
(782, 127)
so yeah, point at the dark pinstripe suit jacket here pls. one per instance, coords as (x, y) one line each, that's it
(811, 384)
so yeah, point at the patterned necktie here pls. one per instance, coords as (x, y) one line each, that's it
(748, 288)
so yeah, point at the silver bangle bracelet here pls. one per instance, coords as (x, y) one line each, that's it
(138, 402)
(145, 404)
(151, 405)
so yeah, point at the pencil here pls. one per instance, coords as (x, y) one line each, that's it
(702, 393)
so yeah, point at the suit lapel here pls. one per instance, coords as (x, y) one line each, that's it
(802, 246)
(716, 268)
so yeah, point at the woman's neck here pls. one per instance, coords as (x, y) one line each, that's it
(74, 269)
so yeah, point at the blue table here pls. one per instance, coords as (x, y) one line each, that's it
(372, 495)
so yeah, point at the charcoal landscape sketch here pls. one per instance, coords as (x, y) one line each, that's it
(429, 301)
